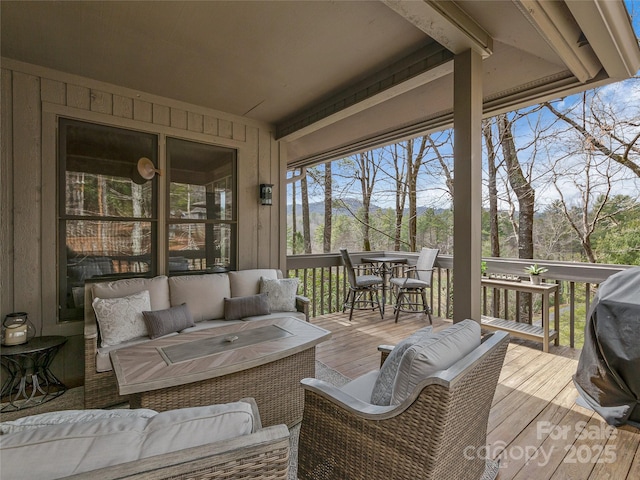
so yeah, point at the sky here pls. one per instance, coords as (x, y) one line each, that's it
(626, 94)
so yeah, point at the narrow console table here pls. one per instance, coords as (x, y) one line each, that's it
(523, 330)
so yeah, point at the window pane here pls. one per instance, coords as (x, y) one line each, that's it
(107, 196)
(202, 179)
(101, 171)
(104, 249)
(201, 246)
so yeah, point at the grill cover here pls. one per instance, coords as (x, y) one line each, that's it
(608, 376)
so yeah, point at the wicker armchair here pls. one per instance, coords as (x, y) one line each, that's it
(437, 433)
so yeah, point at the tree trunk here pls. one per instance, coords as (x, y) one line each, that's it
(328, 187)
(493, 204)
(399, 164)
(526, 202)
(294, 227)
(306, 228)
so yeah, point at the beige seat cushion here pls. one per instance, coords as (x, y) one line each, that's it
(61, 450)
(203, 294)
(436, 352)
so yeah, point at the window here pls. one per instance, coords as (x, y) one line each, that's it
(202, 214)
(109, 224)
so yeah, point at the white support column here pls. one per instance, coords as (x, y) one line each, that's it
(467, 198)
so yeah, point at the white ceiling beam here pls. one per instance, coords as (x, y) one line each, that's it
(607, 27)
(446, 23)
(559, 28)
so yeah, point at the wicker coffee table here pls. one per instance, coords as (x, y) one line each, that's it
(264, 359)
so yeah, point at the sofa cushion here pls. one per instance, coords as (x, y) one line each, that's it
(240, 307)
(282, 293)
(191, 427)
(204, 294)
(65, 449)
(436, 352)
(158, 288)
(71, 416)
(381, 392)
(121, 319)
(247, 282)
(162, 322)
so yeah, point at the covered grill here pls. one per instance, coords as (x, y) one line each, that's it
(608, 376)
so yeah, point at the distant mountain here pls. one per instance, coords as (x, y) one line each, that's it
(352, 204)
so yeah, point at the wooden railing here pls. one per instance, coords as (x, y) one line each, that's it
(323, 279)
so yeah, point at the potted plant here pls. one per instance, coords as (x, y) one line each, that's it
(534, 272)
(483, 268)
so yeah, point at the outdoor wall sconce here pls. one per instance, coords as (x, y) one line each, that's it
(144, 171)
(266, 194)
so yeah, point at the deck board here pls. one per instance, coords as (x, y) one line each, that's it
(534, 401)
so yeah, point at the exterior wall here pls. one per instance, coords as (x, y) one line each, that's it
(32, 99)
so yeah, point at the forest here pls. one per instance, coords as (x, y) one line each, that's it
(561, 181)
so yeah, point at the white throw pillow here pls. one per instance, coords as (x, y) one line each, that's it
(71, 416)
(281, 293)
(382, 389)
(436, 352)
(121, 319)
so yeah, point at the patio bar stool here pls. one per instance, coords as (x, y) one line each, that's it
(411, 295)
(361, 287)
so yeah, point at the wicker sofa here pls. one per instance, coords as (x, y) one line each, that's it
(204, 295)
(436, 430)
(213, 442)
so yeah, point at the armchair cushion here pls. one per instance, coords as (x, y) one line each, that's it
(434, 353)
(70, 448)
(383, 387)
(281, 293)
(71, 416)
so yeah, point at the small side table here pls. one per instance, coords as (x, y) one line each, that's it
(30, 381)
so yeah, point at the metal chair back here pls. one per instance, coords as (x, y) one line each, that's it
(426, 261)
(348, 265)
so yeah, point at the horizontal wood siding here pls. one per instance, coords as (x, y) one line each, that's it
(33, 97)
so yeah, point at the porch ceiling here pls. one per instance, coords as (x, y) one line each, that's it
(331, 77)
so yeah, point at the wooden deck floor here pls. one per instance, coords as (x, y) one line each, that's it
(536, 428)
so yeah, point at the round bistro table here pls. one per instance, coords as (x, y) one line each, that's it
(29, 380)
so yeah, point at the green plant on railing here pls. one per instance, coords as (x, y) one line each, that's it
(483, 268)
(535, 270)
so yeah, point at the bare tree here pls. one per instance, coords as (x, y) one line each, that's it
(328, 215)
(493, 187)
(521, 187)
(609, 127)
(400, 166)
(368, 165)
(306, 228)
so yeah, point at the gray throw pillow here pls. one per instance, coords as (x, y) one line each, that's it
(383, 388)
(163, 322)
(238, 308)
